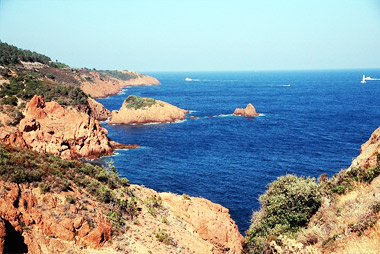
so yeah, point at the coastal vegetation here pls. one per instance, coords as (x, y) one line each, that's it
(123, 75)
(23, 86)
(287, 205)
(137, 102)
(297, 210)
(53, 174)
(11, 55)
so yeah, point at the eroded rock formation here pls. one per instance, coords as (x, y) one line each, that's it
(48, 127)
(97, 110)
(248, 111)
(211, 221)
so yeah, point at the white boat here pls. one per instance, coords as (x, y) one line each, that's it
(363, 80)
(188, 79)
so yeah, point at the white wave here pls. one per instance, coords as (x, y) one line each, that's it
(261, 114)
(223, 115)
(192, 111)
(288, 85)
(180, 121)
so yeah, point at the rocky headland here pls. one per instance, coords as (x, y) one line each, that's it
(248, 111)
(139, 110)
(102, 84)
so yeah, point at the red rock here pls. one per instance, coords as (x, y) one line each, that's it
(2, 235)
(98, 111)
(48, 127)
(369, 152)
(249, 111)
(211, 221)
(101, 88)
(159, 112)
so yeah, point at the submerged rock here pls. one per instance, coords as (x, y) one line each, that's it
(248, 111)
(139, 110)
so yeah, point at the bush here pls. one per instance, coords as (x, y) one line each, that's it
(286, 206)
(345, 180)
(137, 102)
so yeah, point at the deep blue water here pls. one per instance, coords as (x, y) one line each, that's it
(314, 126)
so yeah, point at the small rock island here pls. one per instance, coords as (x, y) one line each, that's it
(141, 110)
(248, 111)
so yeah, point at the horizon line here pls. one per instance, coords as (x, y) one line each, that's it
(264, 70)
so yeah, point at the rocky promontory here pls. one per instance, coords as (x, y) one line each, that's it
(140, 110)
(100, 84)
(248, 111)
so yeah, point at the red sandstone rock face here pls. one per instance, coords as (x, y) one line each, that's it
(48, 127)
(249, 111)
(98, 111)
(2, 235)
(368, 152)
(211, 221)
(44, 223)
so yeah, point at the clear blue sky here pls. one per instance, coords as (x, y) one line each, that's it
(191, 35)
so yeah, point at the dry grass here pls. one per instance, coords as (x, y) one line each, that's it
(346, 223)
(367, 243)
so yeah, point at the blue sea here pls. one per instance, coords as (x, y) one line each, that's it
(311, 122)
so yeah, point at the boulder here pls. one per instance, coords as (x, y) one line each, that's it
(248, 111)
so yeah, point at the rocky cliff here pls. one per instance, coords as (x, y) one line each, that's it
(138, 110)
(97, 110)
(48, 127)
(369, 152)
(248, 111)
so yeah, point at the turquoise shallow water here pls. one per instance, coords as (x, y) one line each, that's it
(313, 122)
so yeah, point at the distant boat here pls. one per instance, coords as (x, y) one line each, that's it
(363, 80)
(188, 79)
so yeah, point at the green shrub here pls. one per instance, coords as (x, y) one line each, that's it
(286, 206)
(137, 102)
(70, 199)
(345, 180)
(117, 74)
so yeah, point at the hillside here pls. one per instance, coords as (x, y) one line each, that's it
(25, 75)
(337, 215)
(50, 205)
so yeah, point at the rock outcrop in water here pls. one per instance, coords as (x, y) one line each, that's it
(248, 111)
(138, 110)
(48, 127)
